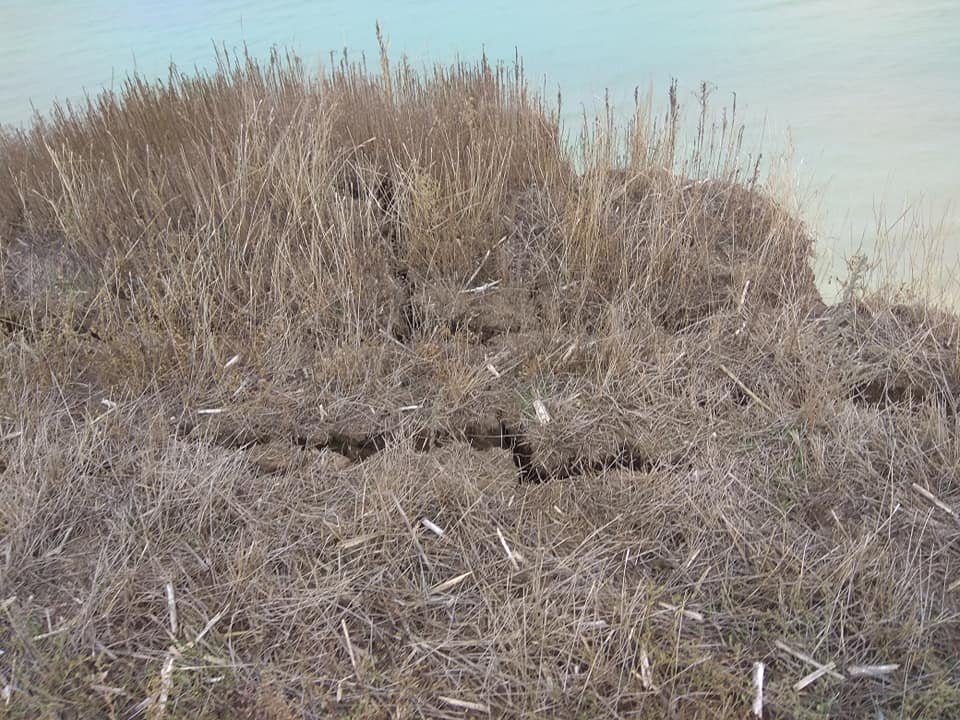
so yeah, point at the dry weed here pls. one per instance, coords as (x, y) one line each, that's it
(365, 395)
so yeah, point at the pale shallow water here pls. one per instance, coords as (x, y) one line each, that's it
(865, 92)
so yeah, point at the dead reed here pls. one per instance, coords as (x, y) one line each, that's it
(365, 394)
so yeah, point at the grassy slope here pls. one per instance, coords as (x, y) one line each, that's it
(376, 286)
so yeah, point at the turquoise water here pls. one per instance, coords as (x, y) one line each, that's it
(865, 94)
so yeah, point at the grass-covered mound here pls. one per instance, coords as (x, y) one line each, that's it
(369, 395)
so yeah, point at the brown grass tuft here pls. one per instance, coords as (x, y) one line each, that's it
(368, 395)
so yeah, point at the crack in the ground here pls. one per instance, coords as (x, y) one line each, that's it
(883, 393)
(34, 330)
(530, 470)
(359, 447)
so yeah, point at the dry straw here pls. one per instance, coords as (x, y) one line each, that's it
(432, 408)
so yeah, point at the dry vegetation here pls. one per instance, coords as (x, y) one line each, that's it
(366, 394)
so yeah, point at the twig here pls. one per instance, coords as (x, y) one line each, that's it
(465, 704)
(413, 535)
(542, 414)
(435, 529)
(53, 633)
(53, 552)
(743, 295)
(807, 659)
(356, 541)
(353, 657)
(757, 708)
(692, 614)
(506, 548)
(11, 436)
(166, 682)
(747, 390)
(231, 362)
(110, 406)
(172, 608)
(209, 626)
(482, 288)
(108, 691)
(594, 625)
(484, 261)
(814, 676)
(935, 500)
(646, 674)
(875, 671)
(451, 583)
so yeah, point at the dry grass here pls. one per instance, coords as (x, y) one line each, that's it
(366, 395)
